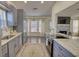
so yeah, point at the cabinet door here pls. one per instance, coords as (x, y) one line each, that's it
(12, 48)
(56, 50)
(4, 51)
(16, 44)
(66, 53)
(24, 38)
(20, 41)
(60, 51)
(0, 51)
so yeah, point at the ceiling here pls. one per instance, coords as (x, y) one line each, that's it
(71, 11)
(35, 8)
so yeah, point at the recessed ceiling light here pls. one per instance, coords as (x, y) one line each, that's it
(42, 1)
(25, 1)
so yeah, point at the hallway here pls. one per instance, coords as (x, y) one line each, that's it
(33, 48)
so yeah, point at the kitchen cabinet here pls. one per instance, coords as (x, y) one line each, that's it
(15, 45)
(18, 43)
(4, 51)
(24, 38)
(12, 46)
(0, 51)
(0, 42)
(59, 51)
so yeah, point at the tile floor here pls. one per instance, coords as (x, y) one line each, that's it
(36, 40)
(35, 47)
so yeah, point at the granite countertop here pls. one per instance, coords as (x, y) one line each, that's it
(5, 41)
(72, 45)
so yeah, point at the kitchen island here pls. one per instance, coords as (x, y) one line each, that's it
(11, 46)
(63, 47)
(70, 46)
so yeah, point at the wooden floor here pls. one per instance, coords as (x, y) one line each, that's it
(35, 47)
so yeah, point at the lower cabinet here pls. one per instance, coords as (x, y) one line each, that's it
(14, 46)
(18, 43)
(24, 38)
(0, 51)
(4, 50)
(59, 51)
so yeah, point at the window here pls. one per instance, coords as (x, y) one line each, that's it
(28, 25)
(3, 22)
(25, 26)
(10, 18)
(34, 26)
(40, 26)
(75, 26)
